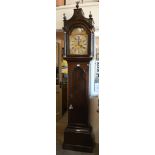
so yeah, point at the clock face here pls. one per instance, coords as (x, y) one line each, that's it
(78, 43)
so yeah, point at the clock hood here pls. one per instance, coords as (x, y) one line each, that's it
(79, 18)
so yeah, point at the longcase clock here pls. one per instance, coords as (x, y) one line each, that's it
(78, 51)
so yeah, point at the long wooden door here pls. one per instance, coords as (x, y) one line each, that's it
(78, 98)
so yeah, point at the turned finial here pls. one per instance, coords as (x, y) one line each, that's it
(77, 4)
(64, 16)
(90, 15)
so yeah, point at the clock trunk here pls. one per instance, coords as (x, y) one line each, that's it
(77, 135)
(77, 93)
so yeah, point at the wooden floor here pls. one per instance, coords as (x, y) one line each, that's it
(60, 126)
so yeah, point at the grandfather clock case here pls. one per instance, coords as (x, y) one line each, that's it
(78, 51)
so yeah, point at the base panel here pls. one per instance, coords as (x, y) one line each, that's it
(78, 139)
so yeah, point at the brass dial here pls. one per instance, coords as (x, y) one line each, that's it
(78, 42)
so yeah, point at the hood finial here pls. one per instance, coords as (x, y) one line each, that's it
(64, 16)
(90, 15)
(77, 4)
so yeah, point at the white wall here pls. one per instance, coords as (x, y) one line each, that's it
(74, 1)
(94, 117)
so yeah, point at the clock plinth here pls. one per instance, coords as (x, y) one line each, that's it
(78, 51)
(78, 139)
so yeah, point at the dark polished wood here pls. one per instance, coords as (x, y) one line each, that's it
(78, 133)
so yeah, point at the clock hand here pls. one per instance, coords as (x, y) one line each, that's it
(78, 40)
